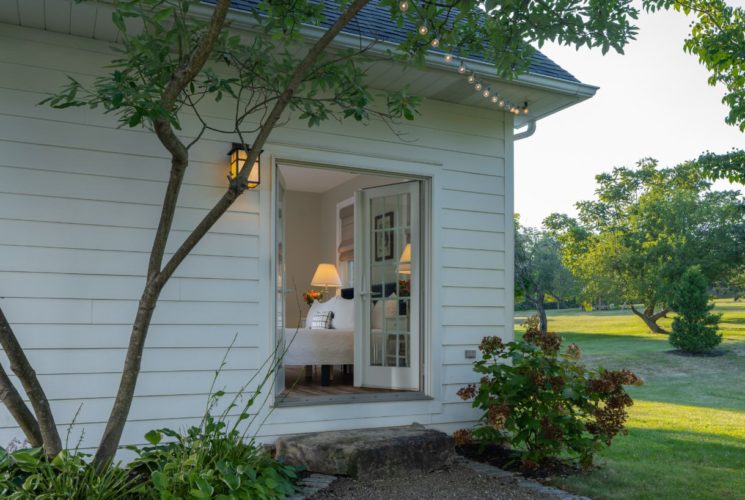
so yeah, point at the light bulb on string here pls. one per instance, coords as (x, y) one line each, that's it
(403, 5)
(486, 93)
(435, 43)
(448, 58)
(462, 68)
(501, 103)
(423, 30)
(478, 86)
(525, 108)
(494, 99)
(471, 78)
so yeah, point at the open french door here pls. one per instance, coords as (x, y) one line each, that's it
(388, 290)
(280, 279)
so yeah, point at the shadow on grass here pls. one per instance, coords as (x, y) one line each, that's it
(658, 463)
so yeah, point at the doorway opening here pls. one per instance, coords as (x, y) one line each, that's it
(349, 283)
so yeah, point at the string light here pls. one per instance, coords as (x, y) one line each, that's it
(423, 30)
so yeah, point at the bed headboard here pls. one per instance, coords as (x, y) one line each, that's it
(348, 293)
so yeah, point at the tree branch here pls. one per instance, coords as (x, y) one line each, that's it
(179, 162)
(239, 183)
(18, 409)
(27, 376)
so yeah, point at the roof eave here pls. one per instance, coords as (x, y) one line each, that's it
(577, 90)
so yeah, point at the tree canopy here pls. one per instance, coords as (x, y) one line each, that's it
(717, 38)
(539, 270)
(647, 226)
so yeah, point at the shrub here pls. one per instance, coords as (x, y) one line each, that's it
(28, 474)
(694, 328)
(216, 459)
(210, 461)
(544, 401)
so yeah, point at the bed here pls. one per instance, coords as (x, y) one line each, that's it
(319, 347)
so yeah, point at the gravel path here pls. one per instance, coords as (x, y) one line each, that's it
(458, 482)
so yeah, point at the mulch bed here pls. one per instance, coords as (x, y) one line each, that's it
(509, 459)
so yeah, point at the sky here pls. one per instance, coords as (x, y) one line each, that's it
(654, 101)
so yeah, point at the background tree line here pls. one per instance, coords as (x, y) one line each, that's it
(633, 243)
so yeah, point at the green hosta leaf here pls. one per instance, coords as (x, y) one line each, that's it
(153, 437)
(159, 480)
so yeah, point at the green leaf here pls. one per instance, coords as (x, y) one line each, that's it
(153, 437)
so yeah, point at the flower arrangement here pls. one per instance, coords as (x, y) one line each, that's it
(311, 296)
(404, 288)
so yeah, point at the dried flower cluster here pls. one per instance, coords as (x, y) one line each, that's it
(549, 342)
(491, 346)
(462, 437)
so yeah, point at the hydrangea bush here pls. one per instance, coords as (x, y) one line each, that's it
(544, 401)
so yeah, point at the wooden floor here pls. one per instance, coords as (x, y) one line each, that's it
(297, 385)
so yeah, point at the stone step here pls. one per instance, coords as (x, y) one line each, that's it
(369, 453)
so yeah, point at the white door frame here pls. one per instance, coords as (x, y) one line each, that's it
(369, 165)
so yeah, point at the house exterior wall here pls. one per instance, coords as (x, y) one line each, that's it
(79, 201)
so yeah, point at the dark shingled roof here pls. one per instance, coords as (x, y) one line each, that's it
(374, 22)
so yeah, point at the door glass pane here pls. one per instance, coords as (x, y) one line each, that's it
(390, 274)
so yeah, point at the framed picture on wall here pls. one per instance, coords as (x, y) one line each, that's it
(384, 236)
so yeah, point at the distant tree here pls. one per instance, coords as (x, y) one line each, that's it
(539, 271)
(695, 327)
(646, 228)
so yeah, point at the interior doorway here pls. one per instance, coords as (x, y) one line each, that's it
(349, 284)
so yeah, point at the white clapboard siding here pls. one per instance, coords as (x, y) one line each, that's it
(79, 205)
(61, 336)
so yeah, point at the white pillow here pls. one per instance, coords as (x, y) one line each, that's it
(391, 311)
(322, 320)
(343, 313)
(316, 307)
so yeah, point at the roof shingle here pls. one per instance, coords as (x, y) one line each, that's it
(374, 22)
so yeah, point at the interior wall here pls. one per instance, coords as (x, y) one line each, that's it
(303, 228)
(331, 198)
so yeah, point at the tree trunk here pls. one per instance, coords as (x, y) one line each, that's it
(20, 412)
(27, 376)
(157, 278)
(650, 318)
(540, 307)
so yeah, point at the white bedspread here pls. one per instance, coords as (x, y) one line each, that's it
(319, 347)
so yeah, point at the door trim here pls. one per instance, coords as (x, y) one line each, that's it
(268, 206)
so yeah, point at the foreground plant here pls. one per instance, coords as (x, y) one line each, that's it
(544, 401)
(29, 474)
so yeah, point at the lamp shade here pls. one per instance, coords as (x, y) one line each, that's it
(404, 262)
(326, 275)
(238, 155)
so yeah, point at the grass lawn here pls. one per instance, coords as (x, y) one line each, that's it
(687, 427)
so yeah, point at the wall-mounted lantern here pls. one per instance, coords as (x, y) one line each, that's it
(238, 155)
